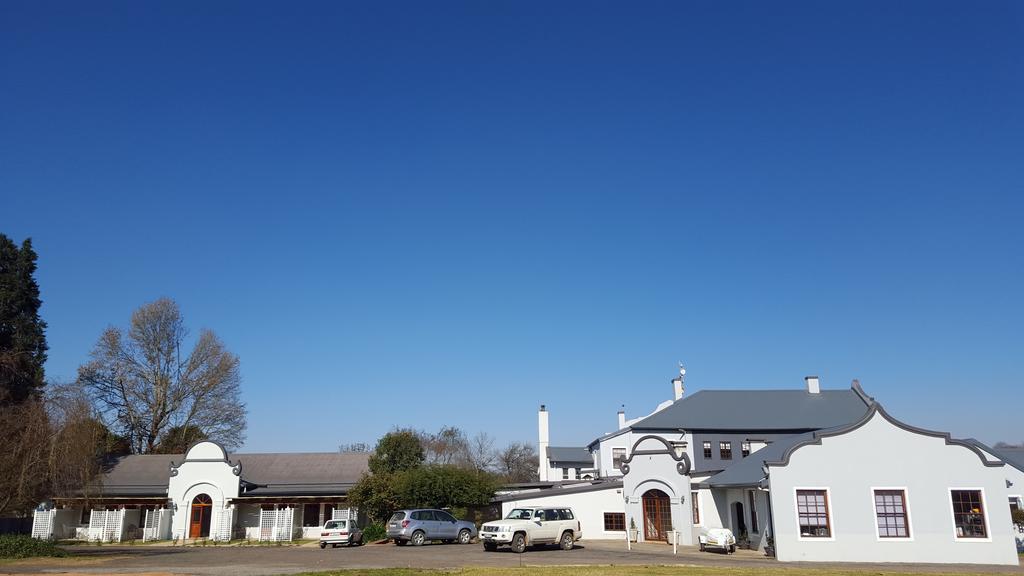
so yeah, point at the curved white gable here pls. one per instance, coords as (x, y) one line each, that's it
(206, 450)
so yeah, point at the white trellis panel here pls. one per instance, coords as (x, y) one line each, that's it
(277, 525)
(106, 525)
(345, 514)
(157, 525)
(42, 524)
(225, 520)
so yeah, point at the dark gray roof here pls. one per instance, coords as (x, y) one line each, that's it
(602, 484)
(1012, 456)
(138, 475)
(569, 455)
(758, 410)
(273, 473)
(303, 468)
(748, 471)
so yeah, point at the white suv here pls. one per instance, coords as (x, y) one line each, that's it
(524, 527)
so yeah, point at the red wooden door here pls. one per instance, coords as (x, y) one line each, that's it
(199, 523)
(657, 515)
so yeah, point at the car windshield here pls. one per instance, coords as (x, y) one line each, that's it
(397, 516)
(335, 524)
(520, 514)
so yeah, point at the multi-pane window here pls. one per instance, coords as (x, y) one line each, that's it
(618, 455)
(695, 502)
(579, 473)
(707, 450)
(725, 450)
(891, 514)
(745, 451)
(565, 473)
(311, 515)
(752, 500)
(812, 511)
(614, 521)
(968, 514)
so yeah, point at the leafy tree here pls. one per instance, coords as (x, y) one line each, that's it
(396, 451)
(445, 486)
(178, 439)
(376, 495)
(144, 385)
(22, 331)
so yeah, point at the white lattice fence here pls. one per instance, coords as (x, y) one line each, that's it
(156, 525)
(225, 520)
(106, 525)
(277, 525)
(42, 524)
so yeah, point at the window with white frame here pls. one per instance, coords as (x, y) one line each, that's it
(891, 514)
(813, 513)
(565, 473)
(707, 450)
(745, 449)
(695, 503)
(968, 513)
(618, 455)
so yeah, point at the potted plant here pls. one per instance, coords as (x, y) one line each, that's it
(633, 532)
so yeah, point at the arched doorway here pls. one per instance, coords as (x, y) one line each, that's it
(657, 515)
(199, 522)
(738, 520)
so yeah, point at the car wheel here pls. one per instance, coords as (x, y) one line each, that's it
(489, 547)
(323, 545)
(399, 542)
(465, 536)
(519, 543)
(566, 542)
(732, 549)
(418, 538)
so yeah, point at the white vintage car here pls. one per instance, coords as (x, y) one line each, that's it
(720, 538)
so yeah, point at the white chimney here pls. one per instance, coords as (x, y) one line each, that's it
(542, 443)
(813, 385)
(677, 384)
(622, 419)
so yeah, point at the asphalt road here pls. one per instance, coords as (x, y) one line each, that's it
(262, 560)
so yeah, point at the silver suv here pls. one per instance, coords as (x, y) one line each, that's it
(419, 526)
(524, 527)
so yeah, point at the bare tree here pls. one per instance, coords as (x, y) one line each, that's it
(447, 446)
(142, 384)
(480, 452)
(355, 447)
(518, 462)
(23, 456)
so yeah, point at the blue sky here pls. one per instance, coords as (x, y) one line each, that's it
(416, 214)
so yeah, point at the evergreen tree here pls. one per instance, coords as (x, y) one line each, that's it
(22, 331)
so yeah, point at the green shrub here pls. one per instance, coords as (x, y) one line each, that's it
(374, 532)
(21, 546)
(1018, 518)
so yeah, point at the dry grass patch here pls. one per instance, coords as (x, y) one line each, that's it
(629, 571)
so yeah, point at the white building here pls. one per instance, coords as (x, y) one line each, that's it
(809, 474)
(206, 493)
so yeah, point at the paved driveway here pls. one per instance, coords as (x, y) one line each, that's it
(238, 561)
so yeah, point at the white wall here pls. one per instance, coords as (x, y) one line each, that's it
(880, 454)
(589, 508)
(204, 471)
